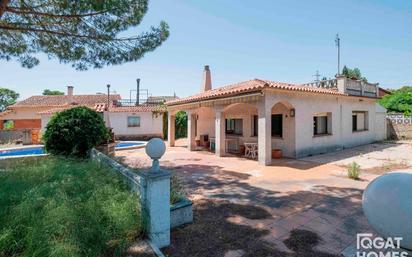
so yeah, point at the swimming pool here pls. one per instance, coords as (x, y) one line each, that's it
(124, 145)
(39, 149)
(22, 151)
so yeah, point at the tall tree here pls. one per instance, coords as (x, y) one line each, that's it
(7, 97)
(84, 33)
(52, 92)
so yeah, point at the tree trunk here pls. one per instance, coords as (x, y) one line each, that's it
(3, 5)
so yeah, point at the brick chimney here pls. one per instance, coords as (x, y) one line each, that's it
(207, 80)
(70, 90)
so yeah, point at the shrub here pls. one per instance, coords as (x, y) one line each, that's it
(176, 189)
(75, 132)
(353, 170)
(181, 124)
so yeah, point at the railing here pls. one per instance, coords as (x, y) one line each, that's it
(399, 118)
(348, 86)
(133, 102)
(328, 84)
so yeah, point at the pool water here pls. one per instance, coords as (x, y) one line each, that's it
(38, 150)
(129, 144)
(22, 151)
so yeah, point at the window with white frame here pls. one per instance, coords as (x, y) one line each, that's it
(359, 121)
(322, 124)
(133, 121)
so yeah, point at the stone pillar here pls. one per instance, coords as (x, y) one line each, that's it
(156, 206)
(191, 144)
(171, 129)
(220, 136)
(265, 133)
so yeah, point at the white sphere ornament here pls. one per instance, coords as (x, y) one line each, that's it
(155, 149)
(387, 204)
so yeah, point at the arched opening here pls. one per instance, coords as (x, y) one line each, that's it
(283, 130)
(241, 127)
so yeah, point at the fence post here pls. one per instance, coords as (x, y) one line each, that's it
(156, 196)
(156, 206)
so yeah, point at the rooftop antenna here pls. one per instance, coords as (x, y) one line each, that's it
(337, 42)
(317, 75)
(137, 92)
(108, 97)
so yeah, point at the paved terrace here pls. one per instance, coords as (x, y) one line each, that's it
(244, 209)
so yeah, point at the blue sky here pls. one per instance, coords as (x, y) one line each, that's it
(284, 41)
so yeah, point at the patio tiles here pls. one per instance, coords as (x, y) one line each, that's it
(337, 240)
(317, 227)
(293, 221)
(276, 233)
(328, 219)
(234, 253)
(296, 194)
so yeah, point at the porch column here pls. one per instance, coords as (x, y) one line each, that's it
(191, 144)
(171, 129)
(264, 133)
(220, 133)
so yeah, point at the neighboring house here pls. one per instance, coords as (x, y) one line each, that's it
(299, 120)
(383, 92)
(131, 122)
(137, 122)
(27, 114)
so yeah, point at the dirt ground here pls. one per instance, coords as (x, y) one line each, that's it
(375, 158)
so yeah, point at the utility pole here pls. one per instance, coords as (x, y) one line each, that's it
(317, 76)
(337, 42)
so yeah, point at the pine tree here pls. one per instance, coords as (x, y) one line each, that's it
(84, 33)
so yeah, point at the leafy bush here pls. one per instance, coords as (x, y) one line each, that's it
(75, 132)
(54, 206)
(400, 101)
(353, 170)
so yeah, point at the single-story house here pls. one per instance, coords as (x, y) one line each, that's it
(265, 117)
(127, 122)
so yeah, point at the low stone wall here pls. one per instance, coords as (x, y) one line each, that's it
(181, 213)
(154, 192)
(398, 131)
(8, 136)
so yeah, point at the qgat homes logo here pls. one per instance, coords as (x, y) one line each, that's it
(367, 246)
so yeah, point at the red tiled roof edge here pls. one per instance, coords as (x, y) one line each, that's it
(247, 87)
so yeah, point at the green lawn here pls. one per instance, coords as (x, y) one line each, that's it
(61, 207)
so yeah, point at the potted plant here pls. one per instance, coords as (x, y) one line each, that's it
(276, 153)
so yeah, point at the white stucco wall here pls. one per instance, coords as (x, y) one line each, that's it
(149, 124)
(45, 118)
(23, 113)
(306, 105)
(298, 136)
(205, 121)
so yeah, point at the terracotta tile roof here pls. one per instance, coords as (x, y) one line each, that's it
(59, 100)
(5, 112)
(99, 107)
(140, 108)
(255, 85)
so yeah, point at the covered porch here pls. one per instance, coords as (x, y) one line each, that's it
(249, 125)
